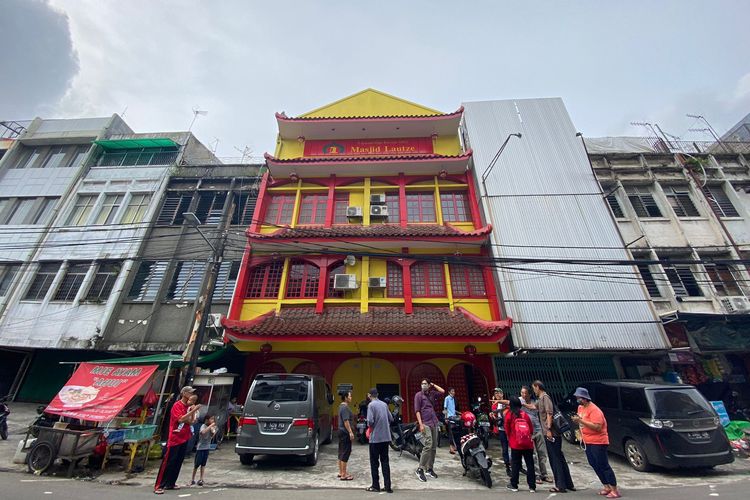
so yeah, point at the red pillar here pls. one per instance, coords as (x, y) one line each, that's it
(260, 204)
(330, 208)
(473, 200)
(402, 199)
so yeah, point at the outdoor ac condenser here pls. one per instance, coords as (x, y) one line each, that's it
(354, 211)
(379, 211)
(377, 199)
(344, 282)
(377, 282)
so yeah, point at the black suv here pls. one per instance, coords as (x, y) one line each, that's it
(667, 425)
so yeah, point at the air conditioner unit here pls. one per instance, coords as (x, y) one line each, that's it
(727, 304)
(354, 211)
(378, 282)
(345, 282)
(377, 199)
(378, 211)
(741, 304)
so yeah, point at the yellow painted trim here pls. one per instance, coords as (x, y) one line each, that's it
(364, 288)
(282, 286)
(366, 203)
(370, 347)
(448, 288)
(297, 302)
(369, 91)
(438, 205)
(297, 203)
(441, 300)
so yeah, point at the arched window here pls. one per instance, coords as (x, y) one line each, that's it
(427, 279)
(332, 293)
(265, 281)
(395, 280)
(303, 281)
(467, 281)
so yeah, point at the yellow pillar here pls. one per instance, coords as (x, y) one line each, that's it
(282, 286)
(364, 284)
(438, 205)
(448, 288)
(366, 203)
(297, 203)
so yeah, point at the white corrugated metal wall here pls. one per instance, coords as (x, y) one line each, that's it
(544, 203)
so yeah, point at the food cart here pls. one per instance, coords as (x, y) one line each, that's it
(55, 443)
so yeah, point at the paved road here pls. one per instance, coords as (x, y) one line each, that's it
(20, 486)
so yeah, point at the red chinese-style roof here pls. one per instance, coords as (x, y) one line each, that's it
(283, 117)
(384, 324)
(368, 159)
(377, 231)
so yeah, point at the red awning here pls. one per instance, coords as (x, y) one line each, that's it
(98, 392)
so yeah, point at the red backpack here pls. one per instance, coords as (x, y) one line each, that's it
(522, 431)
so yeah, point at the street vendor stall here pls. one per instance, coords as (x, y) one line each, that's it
(95, 394)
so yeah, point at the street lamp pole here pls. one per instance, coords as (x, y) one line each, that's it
(193, 349)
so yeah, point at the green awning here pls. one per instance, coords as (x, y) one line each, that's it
(160, 359)
(143, 142)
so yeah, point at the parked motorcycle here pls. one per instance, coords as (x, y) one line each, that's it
(4, 412)
(473, 454)
(483, 421)
(404, 437)
(362, 422)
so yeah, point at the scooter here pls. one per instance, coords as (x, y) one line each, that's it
(473, 455)
(404, 437)
(4, 412)
(362, 422)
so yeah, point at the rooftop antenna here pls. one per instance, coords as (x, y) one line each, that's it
(124, 110)
(196, 112)
(246, 152)
(214, 145)
(710, 129)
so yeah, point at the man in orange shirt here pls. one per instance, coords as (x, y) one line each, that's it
(594, 434)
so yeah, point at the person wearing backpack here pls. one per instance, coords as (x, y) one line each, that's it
(518, 428)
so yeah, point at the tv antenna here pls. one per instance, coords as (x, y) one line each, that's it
(196, 112)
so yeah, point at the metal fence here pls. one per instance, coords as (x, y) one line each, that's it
(702, 147)
(136, 158)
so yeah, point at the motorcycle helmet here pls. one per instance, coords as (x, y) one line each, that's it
(397, 400)
(468, 419)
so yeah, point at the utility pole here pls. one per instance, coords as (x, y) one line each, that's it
(193, 349)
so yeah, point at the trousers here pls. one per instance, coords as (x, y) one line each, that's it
(541, 454)
(170, 467)
(515, 467)
(599, 461)
(427, 459)
(557, 463)
(379, 453)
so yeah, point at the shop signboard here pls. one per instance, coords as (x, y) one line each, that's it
(369, 147)
(721, 411)
(98, 392)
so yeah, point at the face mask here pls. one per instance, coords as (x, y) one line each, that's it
(580, 401)
(425, 387)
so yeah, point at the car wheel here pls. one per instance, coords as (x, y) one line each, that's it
(40, 457)
(312, 458)
(636, 457)
(246, 459)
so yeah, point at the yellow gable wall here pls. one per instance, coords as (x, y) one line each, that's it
(369, 102)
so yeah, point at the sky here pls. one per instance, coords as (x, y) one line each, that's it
(154, 61)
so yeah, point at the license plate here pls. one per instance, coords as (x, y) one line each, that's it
(361, 426)
(274, 426)
(418, 435)
(484, 424)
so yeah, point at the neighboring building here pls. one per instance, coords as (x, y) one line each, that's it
(37, 174)
(688, 218)
(158, 304)
(572, 320)
(739, 133)
(368, 260)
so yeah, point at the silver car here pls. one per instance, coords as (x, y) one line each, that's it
(285, 414)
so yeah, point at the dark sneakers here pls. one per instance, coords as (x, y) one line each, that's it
(420, 475)
(432, 474)
(510, 487)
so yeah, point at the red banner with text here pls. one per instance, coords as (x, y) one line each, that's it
(370, 147)
(98, 392)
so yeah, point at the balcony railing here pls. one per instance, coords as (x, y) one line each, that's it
(702, 147)
(137, 158)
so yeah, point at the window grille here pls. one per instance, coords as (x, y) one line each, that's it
(280, 208)
(148, 280)
(42, 281)
(7, 275)
(302, 282)
(71, 283)
(682, 279)
(679, 198)
(265, 281)
(393, 202)
(420, 207)
(341, 201)
(643, 202)
(467, 281)
(394, 280)
(648, 280)
(427, 279)
(719, 201)
(104, 280)
(455, 207)
(614, 205)
(313, 209)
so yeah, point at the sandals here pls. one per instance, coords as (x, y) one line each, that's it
(604, 492)
(348, 477)
(158, 491)
(614, 494)
(555, 489)
(370, 488)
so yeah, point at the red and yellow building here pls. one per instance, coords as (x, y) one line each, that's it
(366, 259)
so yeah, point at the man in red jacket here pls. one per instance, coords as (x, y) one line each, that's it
(180, 419)
(518, 428)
